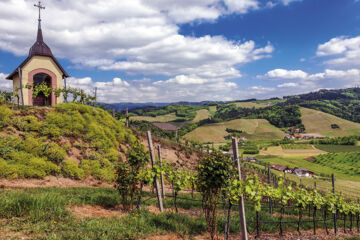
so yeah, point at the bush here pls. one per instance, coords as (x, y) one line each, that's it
(55, 153)
(5, 116)
(100, 169)
(71, 170)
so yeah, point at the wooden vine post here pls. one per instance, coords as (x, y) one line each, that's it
(333, 188)
(152, 156)
(269, 182)
(127, 117)
(244, 235)
(21, 88)
(161, 174)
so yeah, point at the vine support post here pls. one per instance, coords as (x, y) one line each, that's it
(152, 156)
(244, 235)
(269, 182)
(127, 117)
(96, 96)
(314, 213)
(161, 174)
(333, 189)
(21, 88)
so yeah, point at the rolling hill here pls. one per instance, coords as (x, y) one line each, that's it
(254, 129)
(319, 122)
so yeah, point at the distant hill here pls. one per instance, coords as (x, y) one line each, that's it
(122, 105)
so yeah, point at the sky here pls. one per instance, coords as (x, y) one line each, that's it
(190, 50)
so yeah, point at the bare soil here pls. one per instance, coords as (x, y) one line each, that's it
(87, 211)
(51, 181)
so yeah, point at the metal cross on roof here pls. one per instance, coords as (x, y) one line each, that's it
(40, 8)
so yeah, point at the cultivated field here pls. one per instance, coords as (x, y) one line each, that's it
(319, 122)
(279, 151)
(255, 129)
(338, 148)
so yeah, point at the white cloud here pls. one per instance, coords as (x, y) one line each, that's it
(344, 51)
(137, 37)
(304, 82)
(241, 6)
(164, 91)
(289, 84)
(287, 2)
(285, 74)
(5, 84)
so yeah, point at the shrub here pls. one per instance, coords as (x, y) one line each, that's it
(5, 116)
(51, 131)
(55, 153)
(100, 169)
(33, 145)
(71, 170)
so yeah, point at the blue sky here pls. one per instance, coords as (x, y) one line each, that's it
(192, 50)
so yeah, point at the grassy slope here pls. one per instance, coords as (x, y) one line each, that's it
(319, 122)
(163, 118)
(251, 104)
(256, 129)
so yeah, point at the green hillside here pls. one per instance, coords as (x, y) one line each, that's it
(320, 122)
(253, 129)
(70, 140)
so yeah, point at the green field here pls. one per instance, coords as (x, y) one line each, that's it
(162, 118)
(255, 129)
(296, 146)
(320, 122)
(338, 148)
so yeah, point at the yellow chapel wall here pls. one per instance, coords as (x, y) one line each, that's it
(39, 62)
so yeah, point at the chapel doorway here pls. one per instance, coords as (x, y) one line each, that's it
(40, 99)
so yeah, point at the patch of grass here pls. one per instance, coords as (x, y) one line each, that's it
(296, 146)
(320, 122)
(338, 148)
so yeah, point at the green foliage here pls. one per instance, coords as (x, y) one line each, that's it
(347, 163)
(214, 174)
(42, 146)
(296, 146)
(279, 116)
(70, 169)
(338, 148)
(100, 169)
(343, 103)
(5, 116)
(55, 153)
(128, 173)
(351, 140)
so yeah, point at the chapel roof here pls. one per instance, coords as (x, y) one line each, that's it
(38, 49)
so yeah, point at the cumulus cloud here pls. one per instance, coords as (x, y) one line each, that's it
(169, 90)
(343, 51)
(305, 82)
(5, 84)
(137, 37)
(285, 74)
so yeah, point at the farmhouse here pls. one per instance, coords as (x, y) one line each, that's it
(302, 172)
(280, 168)
(39, 67)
